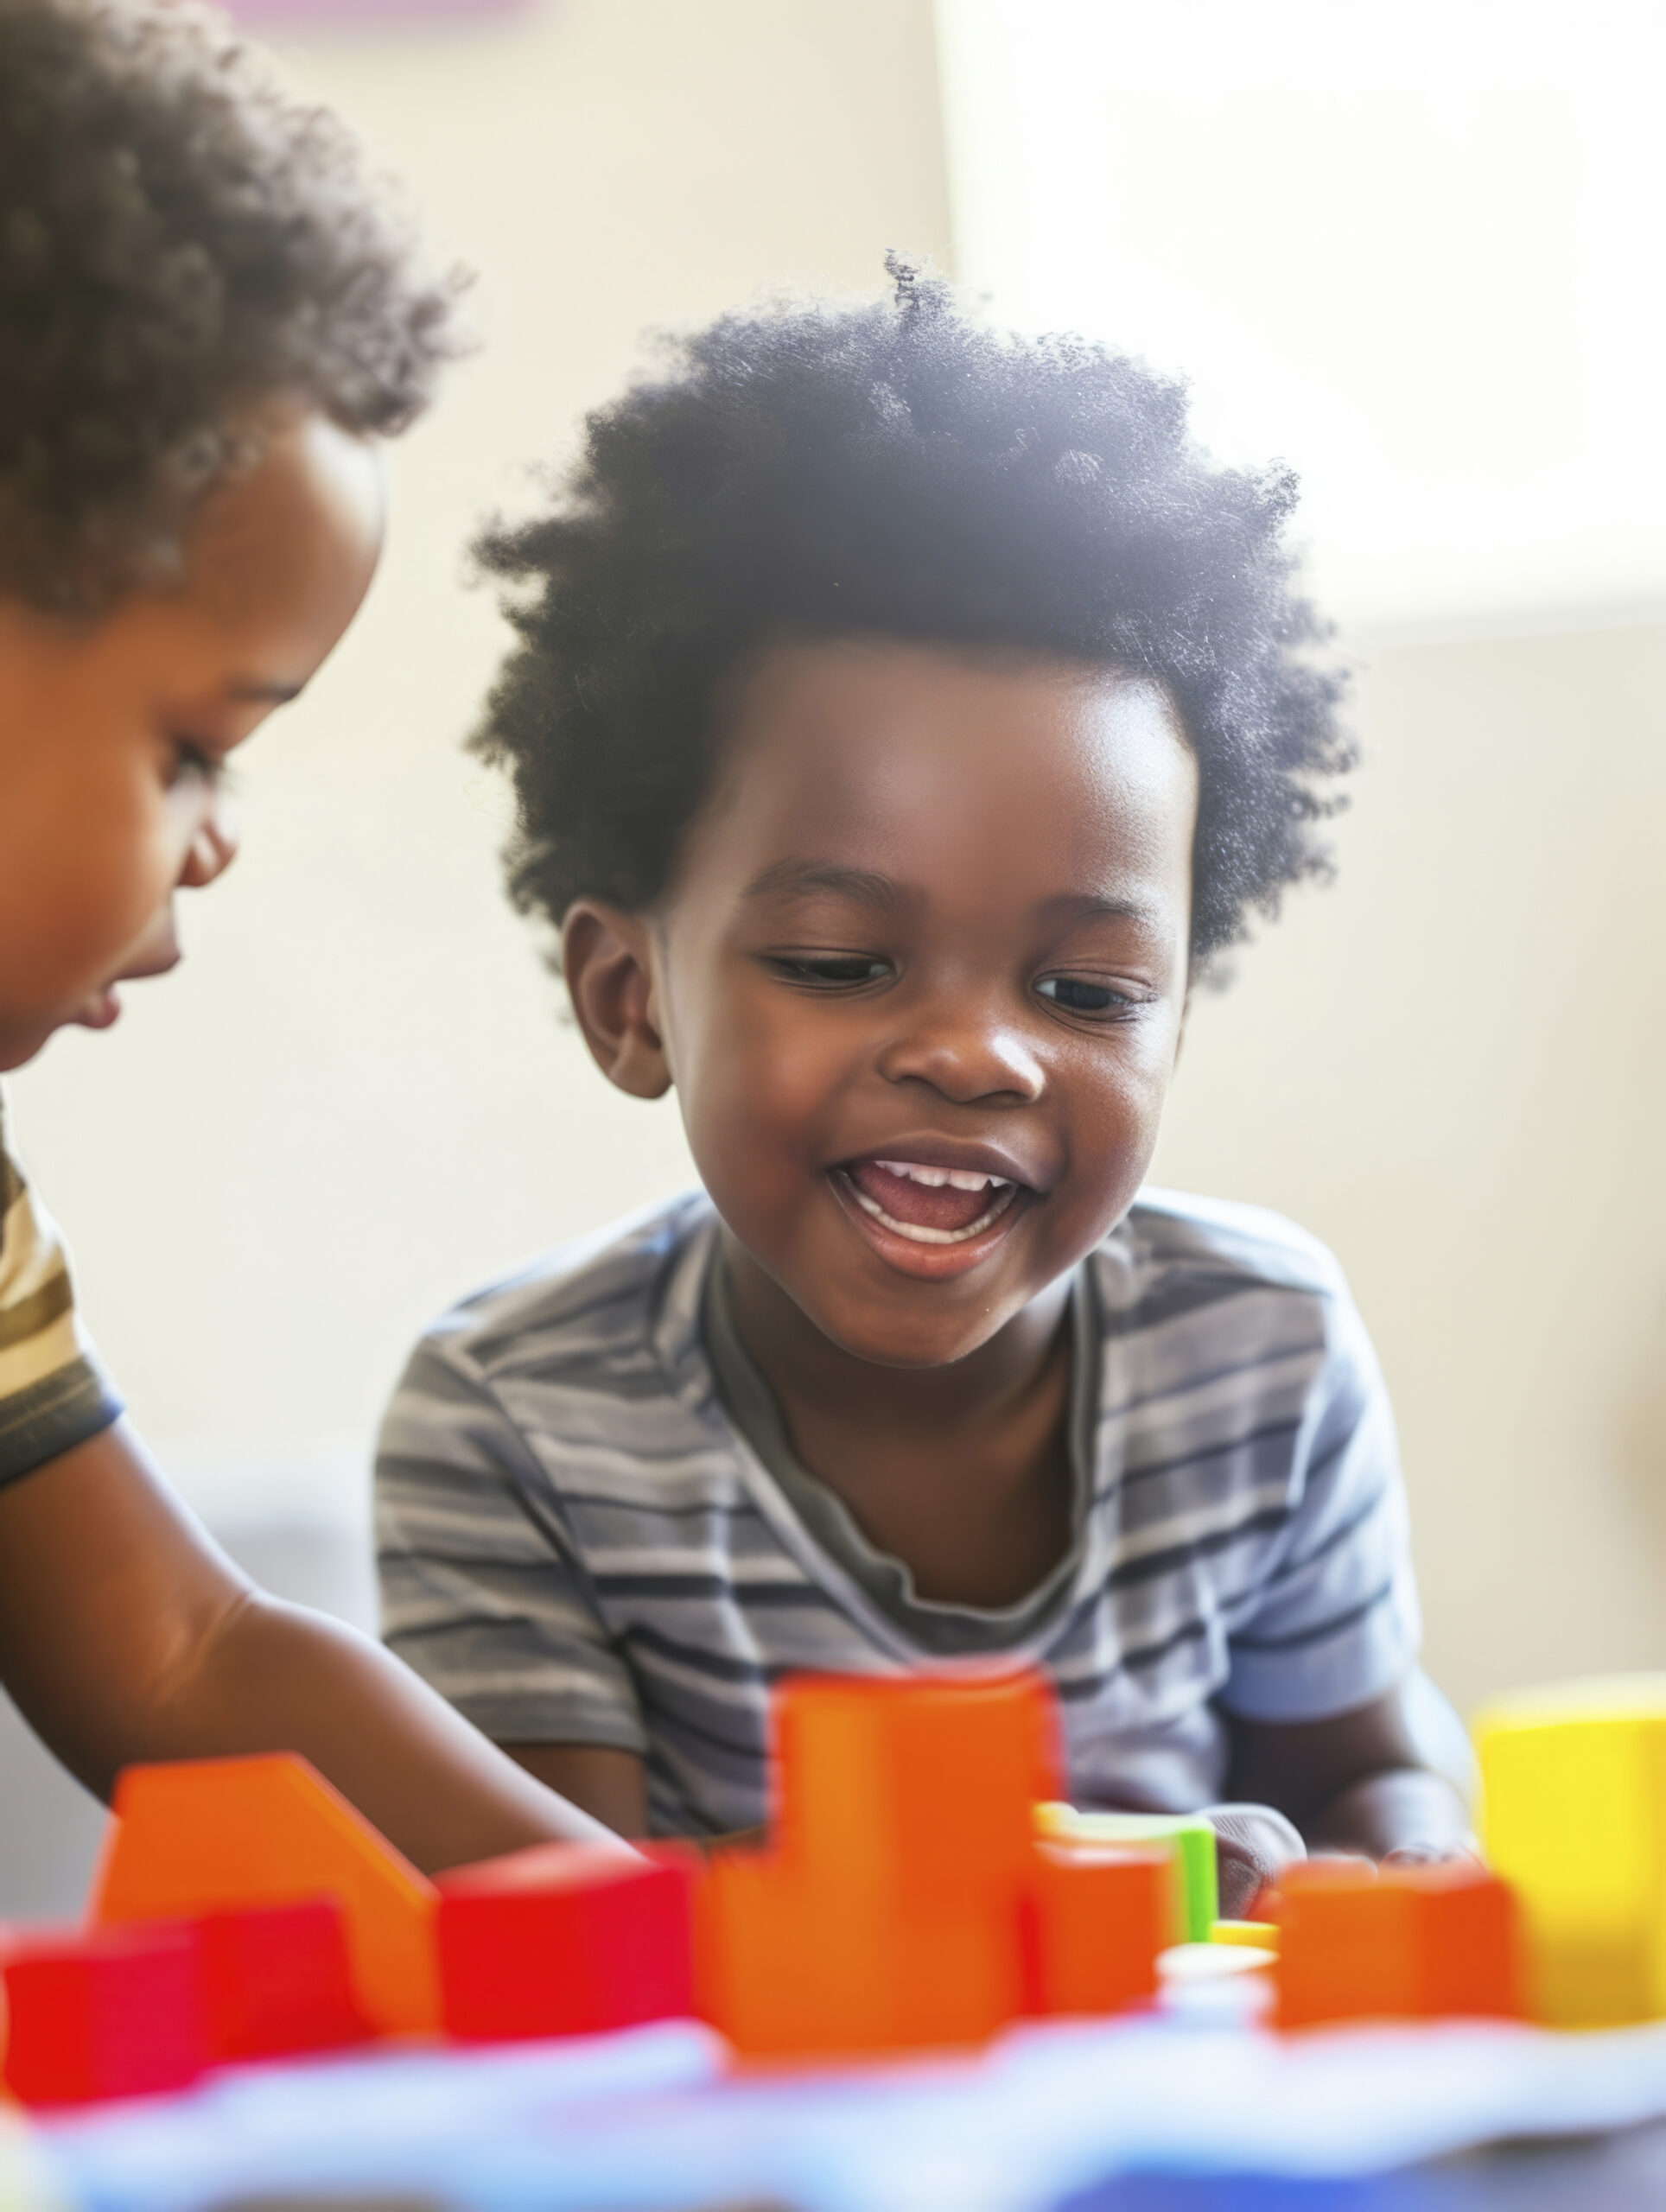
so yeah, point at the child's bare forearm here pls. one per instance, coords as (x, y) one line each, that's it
(275, 1675)
(126, 1635)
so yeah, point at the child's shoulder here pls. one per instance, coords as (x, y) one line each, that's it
(1171, 1237)
(629, 1289)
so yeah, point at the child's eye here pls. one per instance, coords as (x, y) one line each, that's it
(832, 970)
(194, 763)
(1081, 994)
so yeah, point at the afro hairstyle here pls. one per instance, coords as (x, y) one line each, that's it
(180, 236)
(897, 470)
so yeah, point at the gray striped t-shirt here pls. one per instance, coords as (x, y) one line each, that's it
(578, 1545)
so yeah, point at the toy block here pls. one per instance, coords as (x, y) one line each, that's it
(784, 1966)
(1471, 1956)
(918, 1786)
(1415, 1943)
(118, 2013)
(1187, 1835)
(276, 1979)
(203, 1835)
(566, 1939)
(1246, 1935)
(1574, 1787)
(1095, 1922)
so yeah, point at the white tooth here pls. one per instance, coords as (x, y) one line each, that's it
(934, 1178)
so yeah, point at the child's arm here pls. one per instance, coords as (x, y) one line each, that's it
(126, 1635)
(610, 1784)
(1354, 1782)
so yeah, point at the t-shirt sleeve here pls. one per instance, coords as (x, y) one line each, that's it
(483, 1592)
(1336, 1621)
(54, 1394)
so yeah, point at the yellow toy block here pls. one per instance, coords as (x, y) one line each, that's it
(1246, 1935)
(1573, 1783)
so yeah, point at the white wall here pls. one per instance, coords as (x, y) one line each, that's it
(1451, 1066)
(1399, 246)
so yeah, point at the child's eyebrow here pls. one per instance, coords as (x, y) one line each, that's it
(802, 879)
(1094, 906)
(262, 691)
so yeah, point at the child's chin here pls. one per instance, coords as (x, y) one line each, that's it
(19, 1043)
(915, 1341)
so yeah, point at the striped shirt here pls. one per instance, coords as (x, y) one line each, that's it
(52, 1394)
(579, 1544)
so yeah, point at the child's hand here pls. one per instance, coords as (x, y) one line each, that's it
(1253, 1845)
(1434, 1854)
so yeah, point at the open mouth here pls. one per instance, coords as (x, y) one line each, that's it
(929, 1205)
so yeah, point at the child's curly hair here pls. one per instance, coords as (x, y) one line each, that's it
(179, 236)
(896, 470)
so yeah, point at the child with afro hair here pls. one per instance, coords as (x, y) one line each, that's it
(208, 314)
(903, 717)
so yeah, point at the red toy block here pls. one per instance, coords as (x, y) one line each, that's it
(1400, 1943)
(565, 1939)
(208, 1834)
(1094, 1922)
(919, 1787)
(278, 1979)
(120, 2013)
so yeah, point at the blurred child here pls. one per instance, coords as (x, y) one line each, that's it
(903, 718)
(208, 317)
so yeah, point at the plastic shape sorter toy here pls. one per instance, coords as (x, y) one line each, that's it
(905, 1902)
(1398, 1942)
(566, 1939)
(209, 1835)
(1573, 1783)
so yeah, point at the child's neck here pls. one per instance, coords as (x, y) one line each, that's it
(963, 1472)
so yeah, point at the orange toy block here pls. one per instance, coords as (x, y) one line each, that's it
(1420, 1943)
(209, 1835)
(919, 1787)
(1095, 1923)
(785, 1968)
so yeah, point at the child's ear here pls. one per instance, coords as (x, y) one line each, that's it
(606, 957)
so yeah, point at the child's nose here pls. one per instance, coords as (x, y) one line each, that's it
(967, 1054)
(212, 849)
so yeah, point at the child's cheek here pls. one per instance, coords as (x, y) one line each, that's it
(106, 875)
(757, 1089)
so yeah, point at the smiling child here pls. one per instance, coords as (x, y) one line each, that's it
(902, 717)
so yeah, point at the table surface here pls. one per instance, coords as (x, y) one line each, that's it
(655, 2120)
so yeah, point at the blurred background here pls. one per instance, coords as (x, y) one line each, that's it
(1416, 253)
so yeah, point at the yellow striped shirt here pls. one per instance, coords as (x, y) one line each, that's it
(53, 1393)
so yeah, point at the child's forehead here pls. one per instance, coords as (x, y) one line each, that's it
(903, 774)
(866, 733)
